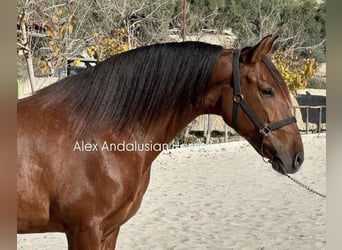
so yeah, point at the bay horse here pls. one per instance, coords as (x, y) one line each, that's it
(67, 181)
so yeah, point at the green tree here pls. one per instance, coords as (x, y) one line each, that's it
(72, 26)
(300, 24)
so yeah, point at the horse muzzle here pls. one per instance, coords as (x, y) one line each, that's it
(280, 165)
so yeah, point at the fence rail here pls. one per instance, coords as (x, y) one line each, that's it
(316, 116)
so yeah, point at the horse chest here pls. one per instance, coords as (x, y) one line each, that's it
(134, 204)
(128, 203)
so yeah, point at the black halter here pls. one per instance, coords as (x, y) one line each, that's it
(238, 101)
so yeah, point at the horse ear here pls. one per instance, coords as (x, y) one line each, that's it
(253, 54)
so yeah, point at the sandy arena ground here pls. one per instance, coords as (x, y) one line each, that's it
(222, 197)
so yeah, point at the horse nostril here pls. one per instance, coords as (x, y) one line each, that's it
(298, 160)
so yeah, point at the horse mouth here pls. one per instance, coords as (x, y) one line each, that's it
(278, 165)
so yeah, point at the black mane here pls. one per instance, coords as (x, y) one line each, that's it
(135, 87)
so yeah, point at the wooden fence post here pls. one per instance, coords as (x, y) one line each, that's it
(207, 139)
(225, 132)
(307, 119)
(319, 120)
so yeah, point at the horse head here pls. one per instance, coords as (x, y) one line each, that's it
(256, 103)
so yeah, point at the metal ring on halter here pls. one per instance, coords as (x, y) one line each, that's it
(238, 98)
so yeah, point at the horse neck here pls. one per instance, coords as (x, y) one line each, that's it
(166, 129)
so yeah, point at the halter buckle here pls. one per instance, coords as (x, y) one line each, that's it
(265, 130)
(238, 98)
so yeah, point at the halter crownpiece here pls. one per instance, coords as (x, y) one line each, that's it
(239, 101)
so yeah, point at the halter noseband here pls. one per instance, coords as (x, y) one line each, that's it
(238, 101)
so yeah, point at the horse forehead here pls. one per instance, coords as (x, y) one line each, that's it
(259, 73)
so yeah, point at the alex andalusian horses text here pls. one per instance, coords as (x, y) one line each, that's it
(67, 182)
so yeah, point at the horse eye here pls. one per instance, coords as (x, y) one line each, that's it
(268, 92)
